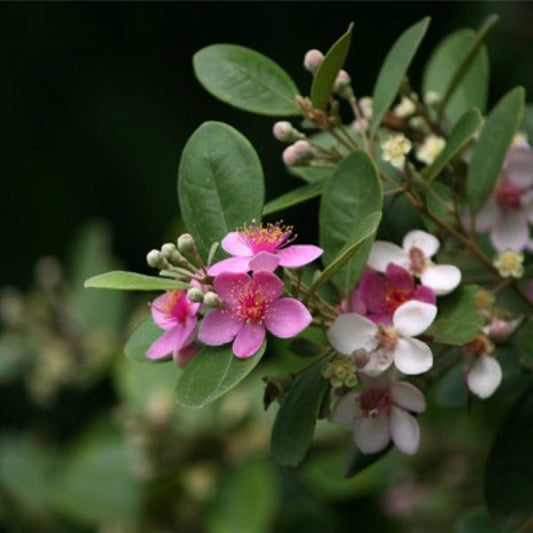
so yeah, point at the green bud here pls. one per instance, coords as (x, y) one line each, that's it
(195, 294)
(186, 244)
(211, 299)
(155, 259)
(171, 253)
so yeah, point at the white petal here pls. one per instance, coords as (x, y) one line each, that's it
(484, 376)
(487, 216)
(351, 332)
(413, 317)
(519, 166)
(407, 396)
(346, 409)
(422, 240)
(511, 231)
(378, 362)
(404, 430)
(412, 356)
(372, 434)
(442, 279)
(383, 253)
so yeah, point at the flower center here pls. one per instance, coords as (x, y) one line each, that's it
(177, 306)
(252, 303)
(395, 296)
(387, 337)
(507, 195)
(374, 402)
(417, 260)
(269, 238)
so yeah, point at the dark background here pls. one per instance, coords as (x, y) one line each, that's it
(98, 100)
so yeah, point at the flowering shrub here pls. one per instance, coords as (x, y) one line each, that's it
(404, 299)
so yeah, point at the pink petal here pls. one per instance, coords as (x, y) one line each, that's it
(264, 261)
(527, 205)
(185, 355)
(372, 434)
(511, 231)
(287, 317)
(271, 286)
(519, 167)
(484, 376)
(375, 382)
(487, 216)
(422, 240)
(298, 255)
(424, 294)
(232, 264)
(235, 244)
(249, 340)
(160, 313)
(412, 356)
(400, 278)
(442, 279)
(219, 327)
(225, 284)
(407, 396)
(344, 411)
(413, 317)
(172, 340)
(404, 431)
(383, 253)
(357, 302)
(351, 332)
(373, 290)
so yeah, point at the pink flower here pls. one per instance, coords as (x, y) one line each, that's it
(381, 412)
(177, 315)
(251, 305)
(259, 247)
(377, 296)
(384, 344)
(509, 211)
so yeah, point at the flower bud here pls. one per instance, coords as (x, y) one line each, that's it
(195, 294)
(186, 244)
(170, 253)
(432, 98)
(303, 149)
(212, 299)
(312, 59)
(285, 132)
(366, 106)
(428, 151)
(405, 108)
(342, 82)
(155, 259)
(290, 157)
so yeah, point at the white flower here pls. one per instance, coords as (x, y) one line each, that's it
(510, 264)
(405, 108)
(484, 375)
(415, 256)
(428, 151)
(394, 149)
(366, 107)
(381, 412)
(431, 98)
(384, 344)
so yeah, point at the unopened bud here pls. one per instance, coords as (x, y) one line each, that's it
(186, 244)
(195, 294)
(212, 299)
(303, 149)
(155, 259)
(342, 82)
(312, 59)
(170, 253)
(284, 131)
(289, 156)
(366, 106)
(432, 98)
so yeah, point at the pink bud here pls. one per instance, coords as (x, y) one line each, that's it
(312, 59)
(290, 157)
(285, 132)
(341, 81)
(302, 149)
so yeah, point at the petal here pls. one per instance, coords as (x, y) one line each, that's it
(351, 332)
(442, 279)
(219, 327)
(407, 396)
(424, 294)
(373, 290)
(225, 284)
(404, 431)
(171, 341)
(235, 244)
(484, 376)
(527, 205)
(519, 166)
(412, 356)
(400, 278)
(413, 317)
(160, 311)
(232, 264)
(383, 253)
(345, 409)
(511, 231)
(422, 240)
(184, 356)
(264, 261)
(298, 255)
(487, 216)
(287, 317)
(271, 286)
(375, 382)
(249, 340)
(378, 362)
(372, 434)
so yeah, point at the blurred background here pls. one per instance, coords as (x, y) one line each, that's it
(98, 100)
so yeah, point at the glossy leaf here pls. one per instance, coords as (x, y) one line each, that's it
(353, 193)
(463, 131)
(523, 342)
(357, 461)
(326, 73)
(305, 347)
(131, 281)
(246, 79)
(458, 320)
(294, 426)
(294, 197)
(212, 372)
(509, 468)
(490, 150)
(445, 61)
(141, 339)
(451, 390)
(217, 167)
(394, 68)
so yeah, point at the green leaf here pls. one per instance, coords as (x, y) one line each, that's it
(458, 320)
(294, 197)
(246, 501)
(444, 64)
(451, 388)
(437, 208)
(141, 339)
(394, 68)
(527, 122)
(131, 281)
(509, 468)
(351, 195)
(463, 131)
(476, 521)
(363, 231)
(324, 78)
(294, 426)
(220, 183)
(490, 150)
(305, 348)
(211, 373)
(523, 342)
(246, 79)
(358, 461)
